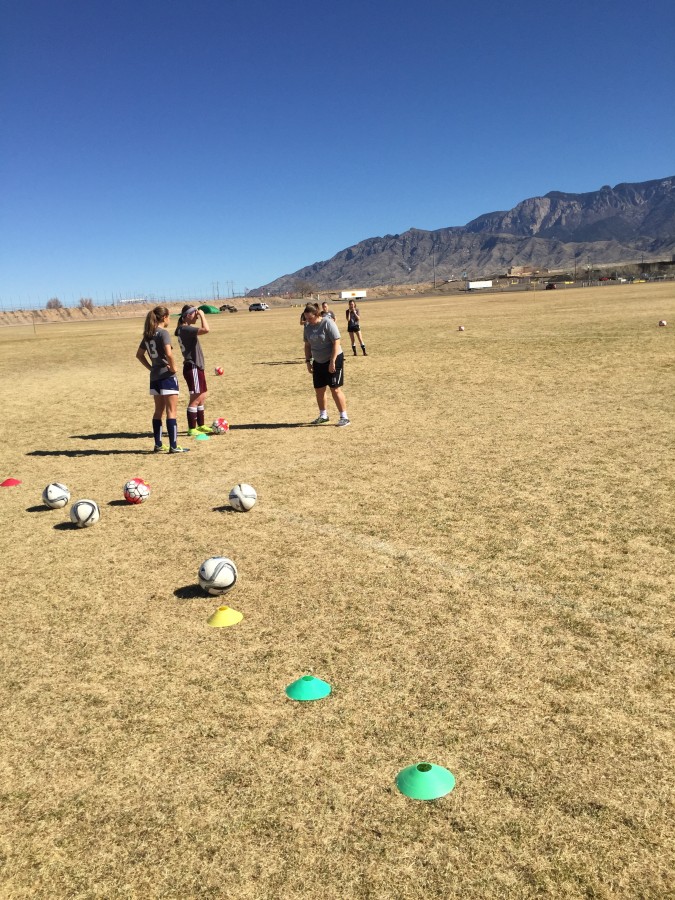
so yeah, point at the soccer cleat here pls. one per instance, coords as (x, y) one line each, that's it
(354, 349)
(205, 429)
(364, 350)
(160, 448)
(179, 450)
(319, 420)
(193, 432)
(343, 422)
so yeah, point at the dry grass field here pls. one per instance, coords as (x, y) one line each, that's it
(481, 566)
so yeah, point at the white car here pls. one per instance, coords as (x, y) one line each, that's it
(258, 307)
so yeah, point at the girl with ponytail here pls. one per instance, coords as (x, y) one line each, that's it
(155, 354)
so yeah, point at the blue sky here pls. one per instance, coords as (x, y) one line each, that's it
(162, 147)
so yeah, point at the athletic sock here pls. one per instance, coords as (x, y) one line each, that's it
(192, 416)
(323, 413)
(172, 428)
(157, 431)
(343, 415)
(200, 415)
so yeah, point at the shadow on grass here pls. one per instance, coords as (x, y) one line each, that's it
(224, 509)
(42, 507)
(282, 362)
(190, 592)
(119, 503)
(65, 526)
(75, 453)
(116, 435)
(261, 425)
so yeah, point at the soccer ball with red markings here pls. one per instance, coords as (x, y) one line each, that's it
(219, 370)
(136, 491)
(220, 426)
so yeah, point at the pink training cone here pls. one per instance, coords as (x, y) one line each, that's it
(10, 482)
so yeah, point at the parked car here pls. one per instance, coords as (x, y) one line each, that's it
(258, 307)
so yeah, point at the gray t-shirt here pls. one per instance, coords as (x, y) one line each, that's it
(188, 341)
(155, 348)
(321, 336)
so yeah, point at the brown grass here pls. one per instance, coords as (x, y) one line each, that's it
(481, 566)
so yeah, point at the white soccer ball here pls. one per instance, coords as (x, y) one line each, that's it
(217, 575)
(55, 495)
(84, 513)
(243, 497)
(662, 323)
(461, 328)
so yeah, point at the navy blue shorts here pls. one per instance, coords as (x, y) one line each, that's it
(323, 378)
(164, 387)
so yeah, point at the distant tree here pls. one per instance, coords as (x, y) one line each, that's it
(304, 288)
(54, 303)
(87, 303)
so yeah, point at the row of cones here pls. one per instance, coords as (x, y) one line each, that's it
(423, 781)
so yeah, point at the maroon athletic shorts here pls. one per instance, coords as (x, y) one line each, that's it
(195, 378)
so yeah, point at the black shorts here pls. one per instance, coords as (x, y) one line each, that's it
(353, 328)
(323, 378)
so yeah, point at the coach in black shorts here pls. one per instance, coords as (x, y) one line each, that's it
(325, 360)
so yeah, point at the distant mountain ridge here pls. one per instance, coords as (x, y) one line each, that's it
(611, 225)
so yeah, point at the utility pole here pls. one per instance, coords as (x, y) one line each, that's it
(433, 256)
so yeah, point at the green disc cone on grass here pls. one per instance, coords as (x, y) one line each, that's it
(308, 688)
(425, 781)
(201, 437)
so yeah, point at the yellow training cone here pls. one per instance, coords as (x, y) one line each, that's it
(225, 616)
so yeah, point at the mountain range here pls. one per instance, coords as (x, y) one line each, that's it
(622, 224)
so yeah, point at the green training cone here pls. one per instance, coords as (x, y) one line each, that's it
(201, 437)
(425, 781)
(308, 688)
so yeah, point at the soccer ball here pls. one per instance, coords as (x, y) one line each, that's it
(243, 497)
(55, 495)
(220, 426)
(461, 328)
(136, 491)
(219, 370)
(662, 323)
(217, 575)
(84, 513)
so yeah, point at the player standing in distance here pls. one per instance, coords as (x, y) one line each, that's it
(156, 345)
(354, 326)
(191, 325)
(325, 311)
(325, 360)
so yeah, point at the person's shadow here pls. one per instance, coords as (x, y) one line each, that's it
(112, 436)
(254, 426)
(76, 453)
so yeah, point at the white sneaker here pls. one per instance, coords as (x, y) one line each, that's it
(343, 421)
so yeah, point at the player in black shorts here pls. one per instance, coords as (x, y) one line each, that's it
(156, 346)
(325, 360)
(354, 327)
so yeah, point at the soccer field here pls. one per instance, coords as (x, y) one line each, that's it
(481, 566)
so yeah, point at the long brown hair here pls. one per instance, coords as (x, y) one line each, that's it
(152, 320)
(312, 308)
